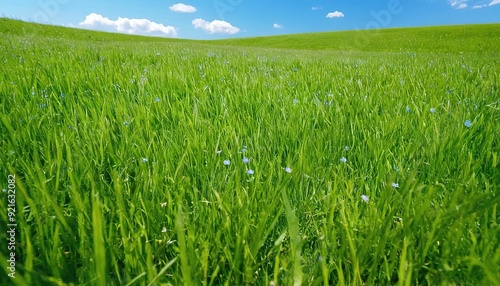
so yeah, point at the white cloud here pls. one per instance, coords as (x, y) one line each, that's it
(316, 8)
(182, 8)
(476, 4)
(335, 14)
(125, 25)
(215, 27)
(278, 26)
(458, 4)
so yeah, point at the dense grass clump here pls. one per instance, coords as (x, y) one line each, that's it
(173, 162)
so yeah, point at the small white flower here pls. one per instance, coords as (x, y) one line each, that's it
(432, 110)
(346, 148)
(227, 162)
(395, 185)
(250, 172)
(288, 170)
(343, 160)
(164, 229)
(163, 205)
(365, 198)
(144, 160)
(218, 151)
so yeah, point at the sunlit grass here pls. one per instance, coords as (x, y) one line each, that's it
(119, 151)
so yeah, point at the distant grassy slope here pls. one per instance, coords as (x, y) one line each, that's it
(19, 28)
(442, 39)
(466, 38)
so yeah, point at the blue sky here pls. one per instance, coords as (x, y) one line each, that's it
(214, 19)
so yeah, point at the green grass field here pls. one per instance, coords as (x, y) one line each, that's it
(148, 161)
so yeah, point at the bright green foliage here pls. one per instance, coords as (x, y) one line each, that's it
(118, 149)
(446, 39)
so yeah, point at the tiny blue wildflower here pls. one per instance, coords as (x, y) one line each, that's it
(157, 99)
(288, 170)
(245, 160)
(467, 123)
(125, 123)
(63, 95)
(343, 159)
(346, 148)
(244, 149)
(144, 160)
(432, 109)
(395, 185)
(295, 101)
(250, 172)
(365, 198)
(408, 109)
(227, 162)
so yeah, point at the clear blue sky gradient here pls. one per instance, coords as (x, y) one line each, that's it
(246, 18)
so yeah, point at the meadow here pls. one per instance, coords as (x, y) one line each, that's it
(147, 161)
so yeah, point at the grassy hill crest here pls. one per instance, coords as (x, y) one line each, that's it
(438, 39)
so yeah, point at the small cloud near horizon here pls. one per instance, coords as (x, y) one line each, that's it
(215, 27)
(316, 8)
(182, 8)
(335, 14)
(145, 27)
(278, 26)
(458, 4)
(463, 4)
